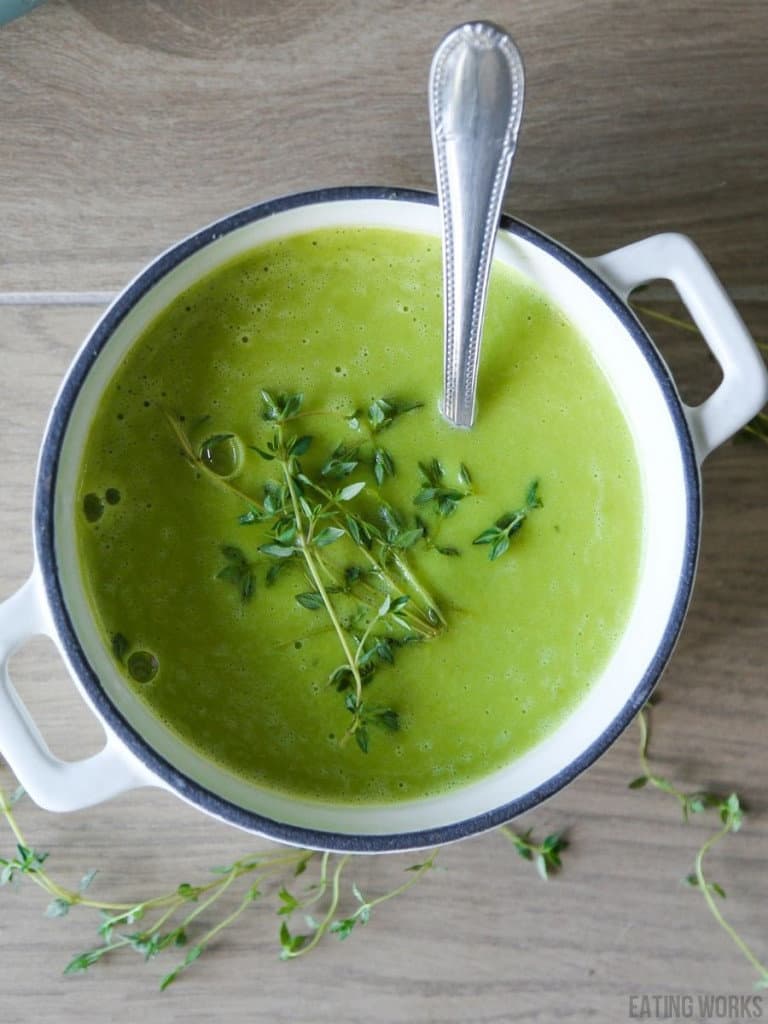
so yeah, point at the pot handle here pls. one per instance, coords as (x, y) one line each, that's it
(743, 390)
(53, 784)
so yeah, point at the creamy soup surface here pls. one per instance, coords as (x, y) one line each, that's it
(194, 548)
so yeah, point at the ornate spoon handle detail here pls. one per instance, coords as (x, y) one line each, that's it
(476, 90)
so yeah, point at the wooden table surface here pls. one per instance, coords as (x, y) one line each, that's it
(123, 126)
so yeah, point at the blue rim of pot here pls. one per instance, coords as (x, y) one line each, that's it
(194, 791)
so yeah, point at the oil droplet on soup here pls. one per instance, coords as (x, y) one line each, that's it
(143, 666)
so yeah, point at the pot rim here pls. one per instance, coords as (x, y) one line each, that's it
(195, 792)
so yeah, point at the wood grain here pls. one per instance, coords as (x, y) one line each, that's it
(124, 126)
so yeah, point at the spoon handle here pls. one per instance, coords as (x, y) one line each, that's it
(476, 86)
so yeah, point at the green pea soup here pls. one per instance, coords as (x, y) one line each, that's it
(222, 640)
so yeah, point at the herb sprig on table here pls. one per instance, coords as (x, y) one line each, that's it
(305, 893)
(729, 811)
(307, 885)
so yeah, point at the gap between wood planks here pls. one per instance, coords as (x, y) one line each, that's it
(655, 293)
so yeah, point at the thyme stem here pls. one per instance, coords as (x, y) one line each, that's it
(381, 570)
(304, 546)
(703, 885)
(730, 815)
(330, 914)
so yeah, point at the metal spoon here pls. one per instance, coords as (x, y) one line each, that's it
(476, 86)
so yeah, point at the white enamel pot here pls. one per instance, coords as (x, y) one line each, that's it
(671, 438)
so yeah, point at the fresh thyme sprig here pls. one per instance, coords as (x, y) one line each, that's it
(299, 944)
(545, 855)
(390, 607)
(380, 544)
(303, 536)
(266, 879)
(306, 515)
(435, 494)
(731, 815)
(502, 531)
(170, 919)
(174, 919)
(379, 416)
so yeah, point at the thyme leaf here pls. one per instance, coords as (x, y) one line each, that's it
(433, 491)
(238, 571)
